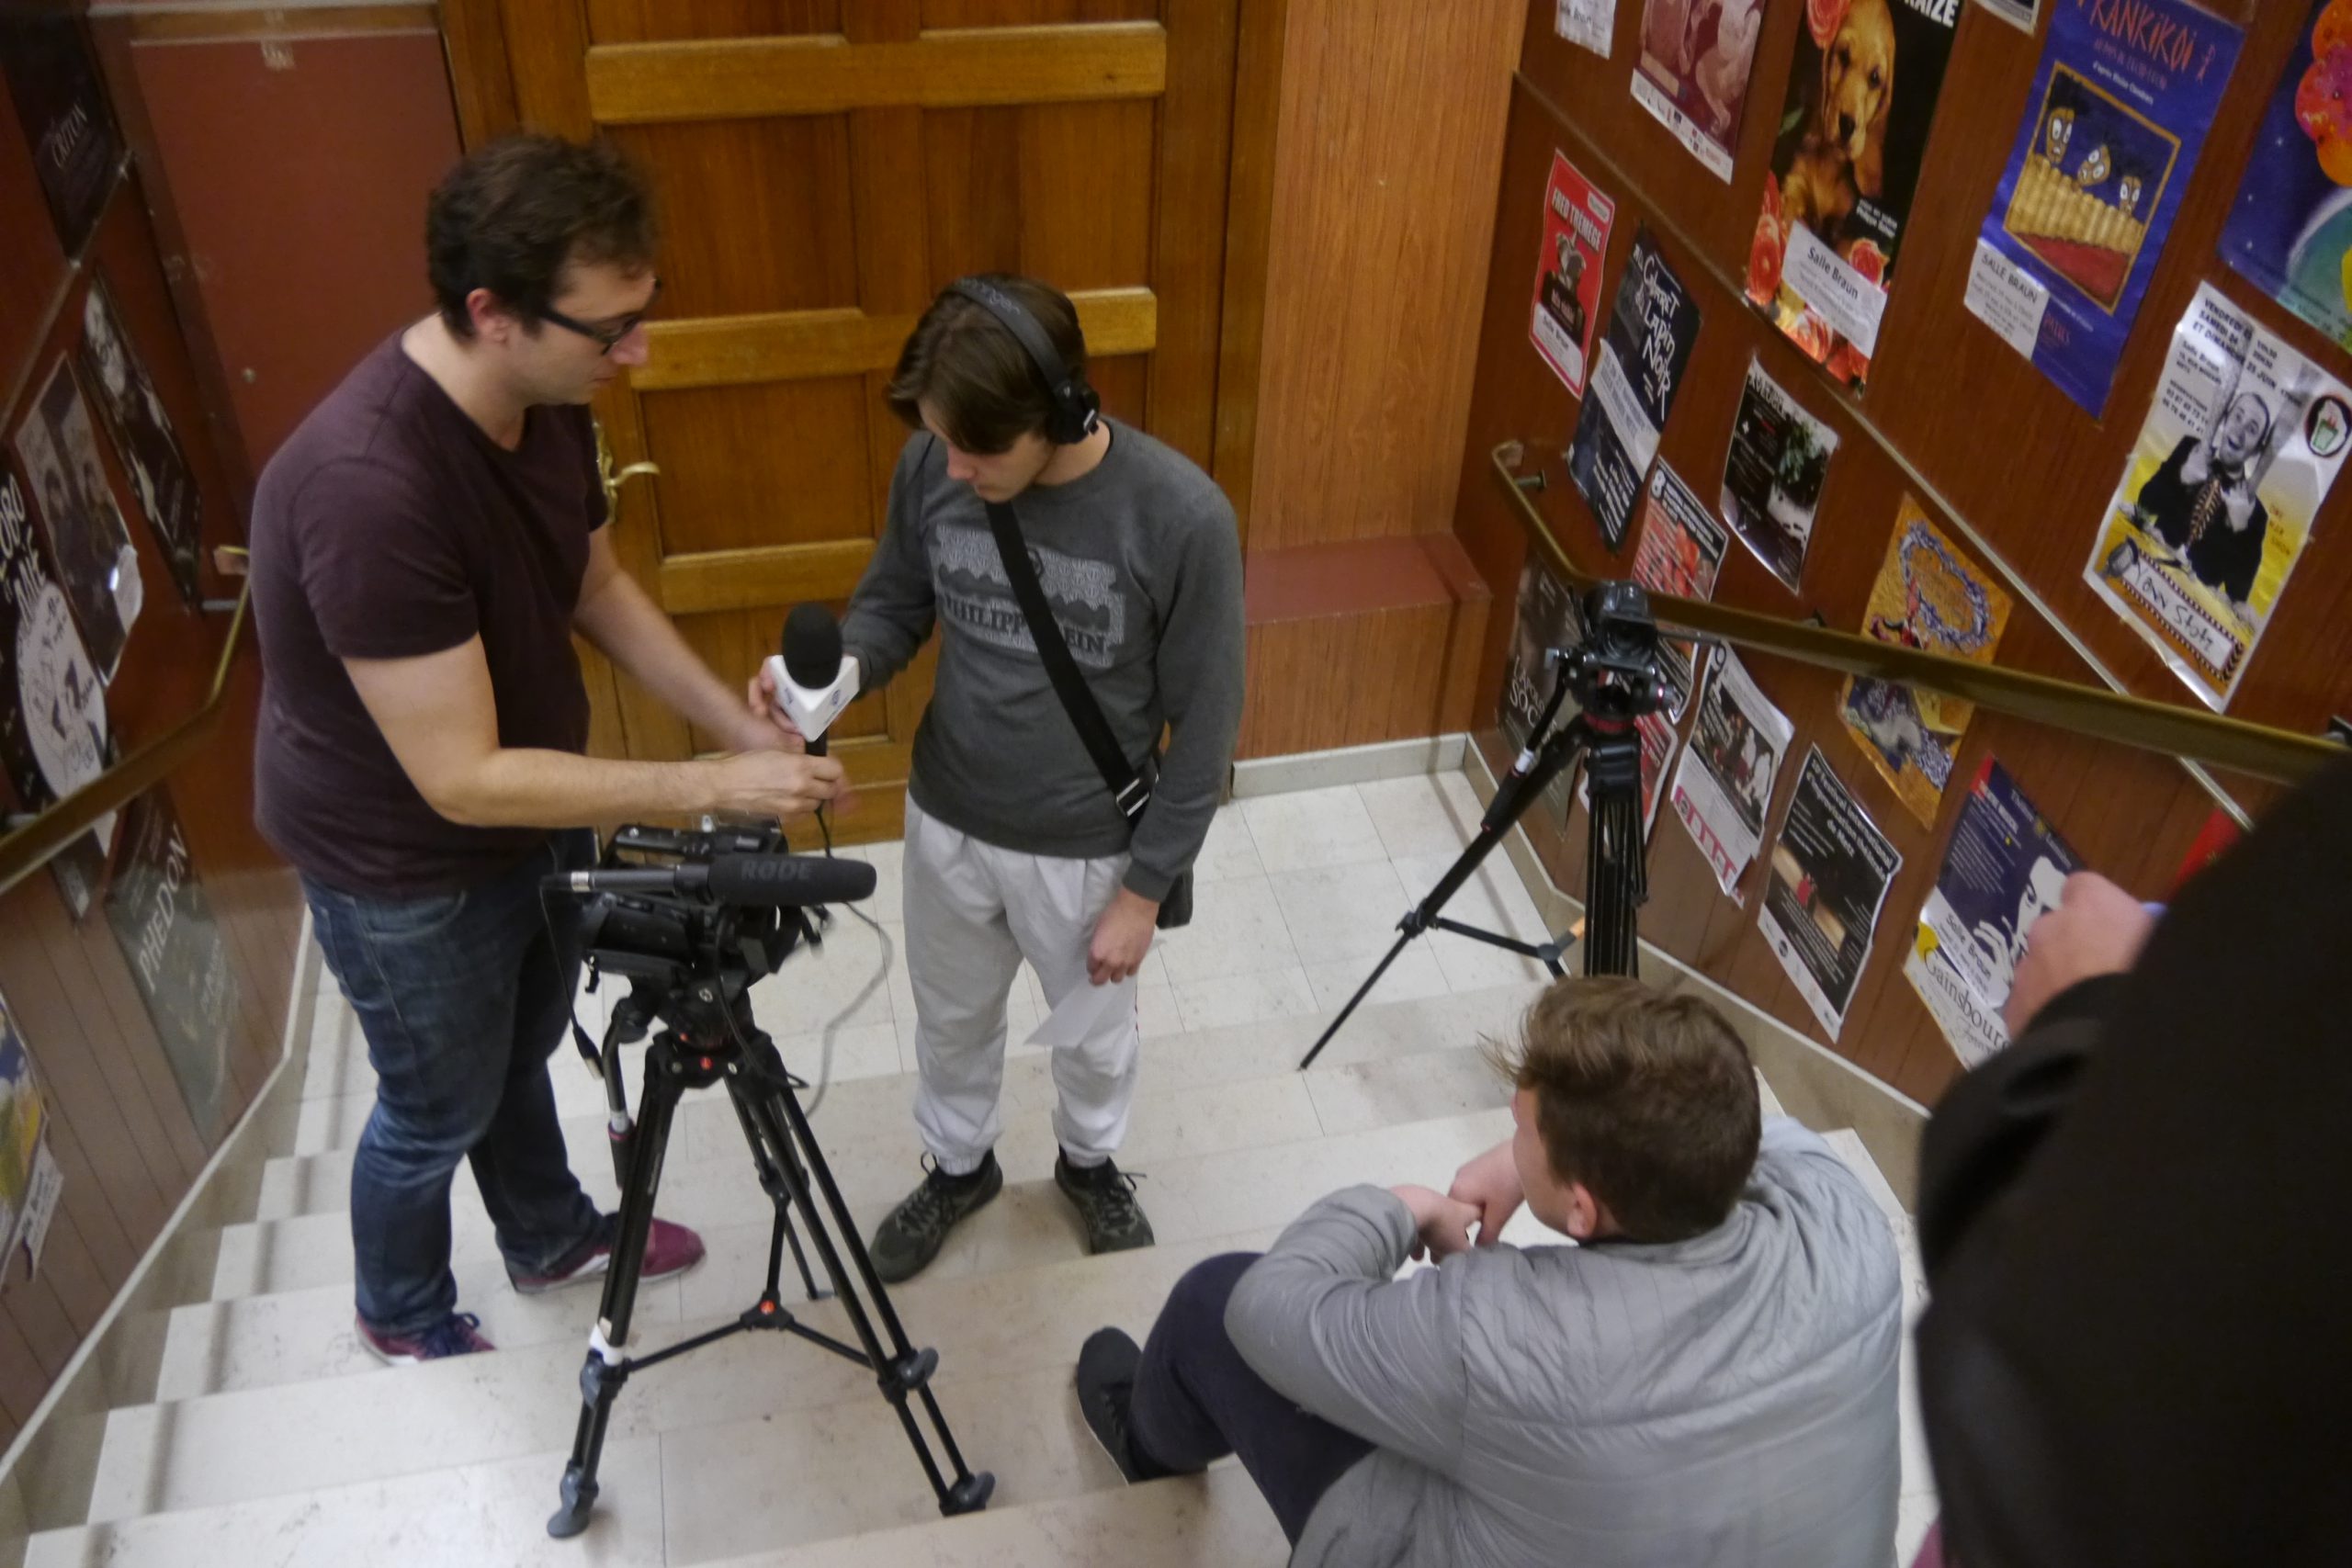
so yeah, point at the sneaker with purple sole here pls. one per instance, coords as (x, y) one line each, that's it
(459, 1334)
(670, 1249)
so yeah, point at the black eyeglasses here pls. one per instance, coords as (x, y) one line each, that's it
(605, 338)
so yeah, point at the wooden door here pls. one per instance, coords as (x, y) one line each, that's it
(825, 167)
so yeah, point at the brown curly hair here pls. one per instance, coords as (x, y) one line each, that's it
(518, 211)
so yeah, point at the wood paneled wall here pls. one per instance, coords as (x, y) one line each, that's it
(1952, 416)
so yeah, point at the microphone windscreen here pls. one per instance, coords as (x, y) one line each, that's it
(812, 647)
(788, 882)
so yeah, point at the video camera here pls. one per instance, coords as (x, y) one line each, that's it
(1612, 674)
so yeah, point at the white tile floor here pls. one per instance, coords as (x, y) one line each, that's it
(275, 1438)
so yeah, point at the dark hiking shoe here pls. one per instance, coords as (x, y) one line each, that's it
(1106, 1386)
(906, 1242)
(1105, 1197)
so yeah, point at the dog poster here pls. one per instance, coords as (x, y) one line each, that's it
(163, 923)
(1692, 73)
(1830, 872)
(1547, 619)
(1723, 787)
(52, 705)
(143, 437)
(1588, 24)
(1576, 220)
(1772, 476)
(2241, 445)
(1853, 130)
(2114, 121)
(2004, 868)
(1680, 553)
(1634, 382)
(1927, 596)
(2290, 233)
(91, 550)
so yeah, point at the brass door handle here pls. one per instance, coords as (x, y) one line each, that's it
(605, 475)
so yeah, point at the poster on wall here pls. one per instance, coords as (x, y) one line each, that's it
(1861, 100)
(2114, 121)
(1691, 73)
(164, 925)
(1576, 220)
(1547, 618)
(1830, 872)
(161, 483)
(1772, 476)
(1680, 553)
(29, 1180)
(52, 705)
(1723, 787)
(1588, 24)
(95, 562)
(2003, 869)
(2241, 446)
(2021, 14)
(1929, 596)
(2290, 231)
(60, 105)
(1643, 356)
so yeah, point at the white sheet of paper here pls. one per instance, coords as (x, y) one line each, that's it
(1081, 1013)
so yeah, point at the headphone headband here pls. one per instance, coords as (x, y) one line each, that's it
(1076, 408)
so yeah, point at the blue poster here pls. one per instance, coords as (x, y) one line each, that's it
(2292, 224)
(2115, 120)
(1643, 355)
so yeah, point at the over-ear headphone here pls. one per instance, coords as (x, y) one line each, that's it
(1076, 406)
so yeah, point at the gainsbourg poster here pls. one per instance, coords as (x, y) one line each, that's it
(1853, 130)
(2239, 450)
(1651, 328)
(164, 926)
(2114, 121)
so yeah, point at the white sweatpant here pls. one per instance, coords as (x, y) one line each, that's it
(973, 912)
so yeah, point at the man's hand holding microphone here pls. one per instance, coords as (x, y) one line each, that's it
(797, 694)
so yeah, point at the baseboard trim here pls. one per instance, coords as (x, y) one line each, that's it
(1349, 765)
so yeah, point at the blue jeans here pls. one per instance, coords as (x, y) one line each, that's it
(462, 997)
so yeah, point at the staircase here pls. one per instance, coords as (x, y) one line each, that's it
(272, 1436)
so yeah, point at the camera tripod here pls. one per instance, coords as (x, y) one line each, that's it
(709, 1038)
(1615, 679)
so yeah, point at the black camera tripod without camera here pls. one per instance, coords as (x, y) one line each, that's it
(1612, 674)
(692, 934)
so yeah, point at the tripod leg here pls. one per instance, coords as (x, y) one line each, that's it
(1353, 1002)
(601, 1376)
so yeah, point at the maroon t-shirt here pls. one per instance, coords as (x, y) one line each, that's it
(390, 526)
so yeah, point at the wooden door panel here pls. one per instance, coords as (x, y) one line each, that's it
(655, 21)
(1033, 13)
(758, 213)
(1061, 191)
(742, 468)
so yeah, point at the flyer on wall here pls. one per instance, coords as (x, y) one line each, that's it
(163, 923)
(95, 562)
(2005, 867)
(1576, 220)
(1692, 72)
(149, 448)
(2024, 14)
(2241, 446)
(1680, 553)
(52, 705)
(1643, 356)
(1830, 872)
(1588, 24)
(1547, 618)
(1861, 100)
(1927, 596)
(1773, 473)
(1723, 787)
(2290, 231)
(54, 83)
(28, 1191)
(1659, 738)
(2114, 121)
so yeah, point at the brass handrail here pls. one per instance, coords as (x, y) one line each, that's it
(2234, 744)
(26, 848)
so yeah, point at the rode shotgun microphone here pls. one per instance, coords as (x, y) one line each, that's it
(768, 882)
(813, 682)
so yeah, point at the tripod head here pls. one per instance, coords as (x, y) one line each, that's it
(1613, 671)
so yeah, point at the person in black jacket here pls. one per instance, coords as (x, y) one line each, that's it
(2139, 1348)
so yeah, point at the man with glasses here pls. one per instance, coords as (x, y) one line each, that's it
(425, 546)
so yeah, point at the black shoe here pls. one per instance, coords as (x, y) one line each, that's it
(1105, 1197)
(1106, 1385)
(906, 1242)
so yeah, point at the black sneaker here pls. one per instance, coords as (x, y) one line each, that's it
(1105, 1197)
(1106, 1385)
(906, 1242)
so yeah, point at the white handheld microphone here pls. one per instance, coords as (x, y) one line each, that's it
(813, 681)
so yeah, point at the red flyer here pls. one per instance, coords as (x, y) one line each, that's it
(1577, 218)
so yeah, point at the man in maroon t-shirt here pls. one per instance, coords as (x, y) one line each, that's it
(423, 548)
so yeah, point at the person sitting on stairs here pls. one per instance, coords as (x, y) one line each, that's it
(1705, 1373)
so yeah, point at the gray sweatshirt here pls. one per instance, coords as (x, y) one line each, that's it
(1141, 561)
(1724, 1401)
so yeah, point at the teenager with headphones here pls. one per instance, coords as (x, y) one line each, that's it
(1086, 583)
